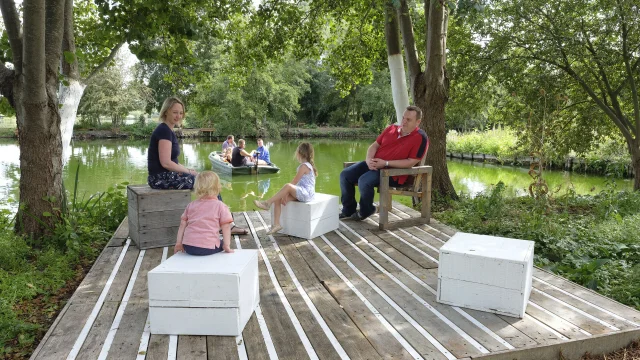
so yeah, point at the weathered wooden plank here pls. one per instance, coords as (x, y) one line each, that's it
(509, 333)
(588, 295)
(346, 331)
(158, 219)
(379, 337)
(61, 340)
(153, 238)
(192, 347)
(91, 286)
(397, 321)
(566, 313)
(145, 199)
(445, 334)
(98, 333)
(393, 242)
(556, 323)
(602, 315)
(312, 329)
(120, 236)
(253, 340)
(425, 169)
(63, 337)
(127, 338)
(424, 237)
(158, 347)
(221, 348)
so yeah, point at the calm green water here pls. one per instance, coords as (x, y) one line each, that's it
(104, 163)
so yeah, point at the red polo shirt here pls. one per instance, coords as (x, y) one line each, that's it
(392, 147)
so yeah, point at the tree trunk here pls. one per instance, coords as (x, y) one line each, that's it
(396, 65)
(635, 162)
(432, 95)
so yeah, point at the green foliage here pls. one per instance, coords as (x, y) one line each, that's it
(109, 95)
(592, 240)
(32, 278)
(502, 143)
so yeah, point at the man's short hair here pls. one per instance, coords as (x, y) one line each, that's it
(229, 137)
(240, 142)
(416, 109)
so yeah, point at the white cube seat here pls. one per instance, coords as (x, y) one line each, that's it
(204, 295)
(486, 273)
(311, 219)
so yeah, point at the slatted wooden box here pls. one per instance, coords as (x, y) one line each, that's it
(154, 215)
(311, 219)
(204, 295)
(486, 273)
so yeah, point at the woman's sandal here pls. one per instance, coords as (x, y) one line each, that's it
(261, 204)
(239, 230)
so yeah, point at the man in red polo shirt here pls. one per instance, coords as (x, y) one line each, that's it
(396, 147)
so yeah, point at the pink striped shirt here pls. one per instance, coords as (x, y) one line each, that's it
(204, 219)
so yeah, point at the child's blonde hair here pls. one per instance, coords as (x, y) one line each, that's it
(305, 152)
(207, 184)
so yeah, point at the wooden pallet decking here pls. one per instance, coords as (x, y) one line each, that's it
(356, 293)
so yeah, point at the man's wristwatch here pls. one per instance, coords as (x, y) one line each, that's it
(386, 164)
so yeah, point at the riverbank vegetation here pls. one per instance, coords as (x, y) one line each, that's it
(609, 156)
(37, 278)
(591, 240)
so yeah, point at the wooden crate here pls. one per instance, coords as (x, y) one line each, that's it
(154, 215)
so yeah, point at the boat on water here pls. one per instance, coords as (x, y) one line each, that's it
(224, 168)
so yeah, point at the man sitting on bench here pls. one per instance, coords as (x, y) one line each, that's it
(398, 146)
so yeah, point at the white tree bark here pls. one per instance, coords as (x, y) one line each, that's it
(398, 85)
(69, 98)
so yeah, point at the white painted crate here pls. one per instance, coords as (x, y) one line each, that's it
(486, 273)
(311, 219)
(204, 295)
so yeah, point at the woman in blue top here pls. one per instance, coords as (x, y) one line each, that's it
(162, 158)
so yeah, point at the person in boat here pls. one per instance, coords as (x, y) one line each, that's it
(165, 172)
(226, 154)
(398, 146)
(240, 157)
(228, 144)
(261, 154)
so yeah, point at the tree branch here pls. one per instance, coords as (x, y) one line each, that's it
(105, 62)
(11, 21)
(410, 51)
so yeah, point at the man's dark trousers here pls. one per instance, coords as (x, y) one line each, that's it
(367, 180)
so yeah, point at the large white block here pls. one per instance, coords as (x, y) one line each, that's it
(311, 219)
(204, 295)
(486, 273)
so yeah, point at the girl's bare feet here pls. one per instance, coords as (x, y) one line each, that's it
(261, 204)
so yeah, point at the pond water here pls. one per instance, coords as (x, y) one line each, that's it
(104, 163)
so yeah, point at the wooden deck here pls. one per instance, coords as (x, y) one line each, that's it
(355, 293)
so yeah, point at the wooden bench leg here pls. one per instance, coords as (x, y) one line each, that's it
(426, 197)
(385, 204)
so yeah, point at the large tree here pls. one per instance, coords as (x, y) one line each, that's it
(45, 85)
(591, 47)
(357, 36)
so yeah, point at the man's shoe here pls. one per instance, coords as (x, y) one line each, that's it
(344, 216)
(358, 217)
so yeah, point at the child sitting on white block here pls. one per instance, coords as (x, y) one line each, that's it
(203, 218)
(302, 188)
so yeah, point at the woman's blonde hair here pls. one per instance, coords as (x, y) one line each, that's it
(305, 152)
(207, 184)
(167, 104)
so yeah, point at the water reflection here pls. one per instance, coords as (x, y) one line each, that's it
(104, 163)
